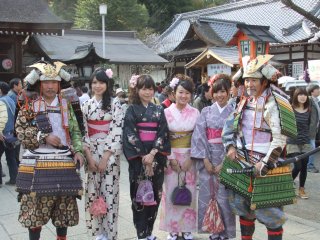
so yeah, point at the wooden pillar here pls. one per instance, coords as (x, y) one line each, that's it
(305, 56)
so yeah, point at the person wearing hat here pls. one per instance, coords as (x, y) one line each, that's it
(255, 134)
(48, 130)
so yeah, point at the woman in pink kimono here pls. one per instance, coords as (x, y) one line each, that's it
(181, 118)
(208, 152)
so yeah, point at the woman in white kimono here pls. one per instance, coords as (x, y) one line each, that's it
(181, 118)
(103, 120)
(208, 152)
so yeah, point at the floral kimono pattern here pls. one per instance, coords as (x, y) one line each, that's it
(179, 218)
(103, 132)
(145, 128)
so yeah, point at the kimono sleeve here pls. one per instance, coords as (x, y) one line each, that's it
(114, 138)
(75, 132)
(132, 146)
(199, 141)
(162, 142)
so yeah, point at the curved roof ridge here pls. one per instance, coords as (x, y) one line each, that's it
(223, 8)
(218, 20)
(173, 25)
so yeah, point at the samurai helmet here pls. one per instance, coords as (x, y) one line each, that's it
(46, 71)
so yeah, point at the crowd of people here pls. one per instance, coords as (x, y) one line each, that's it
(175, 144)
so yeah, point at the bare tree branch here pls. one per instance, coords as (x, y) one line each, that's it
(301, 11)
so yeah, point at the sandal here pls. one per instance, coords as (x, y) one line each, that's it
(214, 238)
(152, 237)
(187, 236)
(172, 236)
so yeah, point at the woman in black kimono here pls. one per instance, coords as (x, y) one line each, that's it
(146, 145)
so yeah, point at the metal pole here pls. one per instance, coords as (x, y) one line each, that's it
(103, 38)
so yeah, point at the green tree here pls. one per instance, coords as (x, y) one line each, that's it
(64, 8)
(122, 15)
(162, 12)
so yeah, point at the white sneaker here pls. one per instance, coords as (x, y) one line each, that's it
(172, 236)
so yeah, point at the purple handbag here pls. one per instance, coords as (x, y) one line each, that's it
(181, 195)
(145, 194)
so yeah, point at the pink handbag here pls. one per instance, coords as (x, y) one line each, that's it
(98, 206)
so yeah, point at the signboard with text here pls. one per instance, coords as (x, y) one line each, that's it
(218, 68)
(314, 69)
(297, 69)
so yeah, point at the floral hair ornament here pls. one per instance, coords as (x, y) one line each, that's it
(174, 82)
(133, 81)
(109, 73)
(212, 79)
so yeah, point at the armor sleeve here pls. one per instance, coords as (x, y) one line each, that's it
(26, 129)
(74, 130)
(272, 117)
(228, 132)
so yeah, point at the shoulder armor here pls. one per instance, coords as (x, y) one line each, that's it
(287, 116)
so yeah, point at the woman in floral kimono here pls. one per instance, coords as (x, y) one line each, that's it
(146, 146)
(181, 119)
(208, 151)
(103, 121)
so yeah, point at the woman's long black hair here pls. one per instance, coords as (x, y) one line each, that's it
(101, 76)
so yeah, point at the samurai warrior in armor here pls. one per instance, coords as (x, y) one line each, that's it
(48, 182)
(255, 135)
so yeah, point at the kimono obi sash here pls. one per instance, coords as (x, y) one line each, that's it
(98, 126)
(147, 131)
(181, 139)
(214, 135)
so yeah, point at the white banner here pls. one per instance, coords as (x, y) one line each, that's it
(314, 70)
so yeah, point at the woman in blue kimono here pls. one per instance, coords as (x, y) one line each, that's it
(209, 153)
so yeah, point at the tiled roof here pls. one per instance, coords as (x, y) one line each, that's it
(229, 54)
(226, 55)
(121, 48)
(173, 36)
(252, 12)
(257, 33)
(225, 30)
